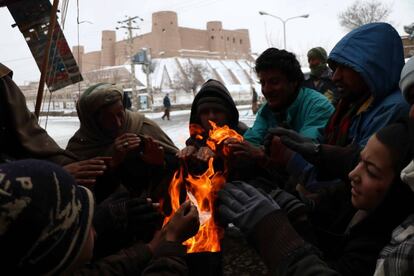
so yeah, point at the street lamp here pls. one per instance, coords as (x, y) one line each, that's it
(284, 22)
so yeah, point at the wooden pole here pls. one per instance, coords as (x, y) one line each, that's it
(45, 63)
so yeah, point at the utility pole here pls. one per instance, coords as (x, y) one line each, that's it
(131, 24)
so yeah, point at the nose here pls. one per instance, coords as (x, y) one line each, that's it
(337, 74)
(354, 175)
(118, 122)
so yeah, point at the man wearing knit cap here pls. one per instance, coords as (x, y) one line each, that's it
(321, 75)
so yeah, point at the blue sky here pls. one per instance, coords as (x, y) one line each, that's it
(320, 29)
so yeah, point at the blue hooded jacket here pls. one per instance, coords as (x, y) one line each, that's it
(376, 52)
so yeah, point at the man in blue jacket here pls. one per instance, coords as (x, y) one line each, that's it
(367, 63)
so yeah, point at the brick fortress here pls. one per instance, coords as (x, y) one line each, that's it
(167, 39)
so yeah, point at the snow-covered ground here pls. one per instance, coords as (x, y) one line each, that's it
(62, 128)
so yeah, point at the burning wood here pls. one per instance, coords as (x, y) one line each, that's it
(202, 190)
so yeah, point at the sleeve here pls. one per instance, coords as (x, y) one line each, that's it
(316, 117)
(283, 251)
(257, 132)
(130, 261)
(383, 117)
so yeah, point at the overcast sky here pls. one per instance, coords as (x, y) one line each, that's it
(320, 29)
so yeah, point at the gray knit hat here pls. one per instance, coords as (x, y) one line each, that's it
(407, 77)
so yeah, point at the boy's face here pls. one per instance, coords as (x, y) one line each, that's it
(216, 115)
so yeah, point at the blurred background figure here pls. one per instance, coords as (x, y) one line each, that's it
(321, 75)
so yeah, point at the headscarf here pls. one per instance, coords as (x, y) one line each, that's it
(90, 140)
(24, 137)
(45, 218)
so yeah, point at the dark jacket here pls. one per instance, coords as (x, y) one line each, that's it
(167, 102)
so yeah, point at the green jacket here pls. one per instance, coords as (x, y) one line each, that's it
(306, 115)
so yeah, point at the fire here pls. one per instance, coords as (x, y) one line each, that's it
(202, 190)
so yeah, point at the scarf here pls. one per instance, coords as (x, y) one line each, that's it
(337, 129)
(91, 141)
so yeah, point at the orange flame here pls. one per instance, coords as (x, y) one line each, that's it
(202, 190)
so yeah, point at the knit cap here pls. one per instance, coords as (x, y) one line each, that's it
(407, 77)
(45, 218)
(319, 53)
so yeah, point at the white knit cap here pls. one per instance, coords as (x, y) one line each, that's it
(407, 77)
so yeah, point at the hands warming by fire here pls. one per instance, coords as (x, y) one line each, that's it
(183, 225)
(85, 172)
(151, 153)
(203, 154)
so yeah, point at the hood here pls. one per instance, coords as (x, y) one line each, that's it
(375, 51)
(214, 88)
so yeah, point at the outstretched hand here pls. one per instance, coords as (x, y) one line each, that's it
(85, 172)
(243, 205)
(294, 141)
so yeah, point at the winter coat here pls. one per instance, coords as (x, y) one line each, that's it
(307, 114)
(375, 51)
(166, 102)
(91, 141)
(382, 75)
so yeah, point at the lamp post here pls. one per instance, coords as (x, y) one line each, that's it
(284, 22)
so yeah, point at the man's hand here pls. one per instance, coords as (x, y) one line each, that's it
(153, 153)
(184, 224)
(302, 145)
(122, 145)
(243, 205)
(279, 153)
(85, 172)
(204, 154)
(186, 152)
(244, 150)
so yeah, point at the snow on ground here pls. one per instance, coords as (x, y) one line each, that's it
(62, 128)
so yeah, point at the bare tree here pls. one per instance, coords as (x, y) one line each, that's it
(190, 78)
(364, 12)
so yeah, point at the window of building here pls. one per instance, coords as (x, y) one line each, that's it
(171, 23)
(212, 29)
(241, 41)
(212, 37)
(163, 30)
(228, 38)
(234, 40)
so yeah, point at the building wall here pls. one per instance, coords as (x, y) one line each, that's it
(91, 61)
(167, 39)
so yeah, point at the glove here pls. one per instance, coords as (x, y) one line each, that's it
(243, 205)
(302, 145)
(124, 214)
(293, 207)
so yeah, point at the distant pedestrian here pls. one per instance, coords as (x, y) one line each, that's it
(255, 101)
(167, 106)
(127, 101)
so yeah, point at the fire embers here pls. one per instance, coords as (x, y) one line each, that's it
(202, 189)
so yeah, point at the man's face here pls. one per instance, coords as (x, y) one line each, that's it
(277, 89)
(350, 84)
(112, 118)
(313, 62)
(215, 115)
